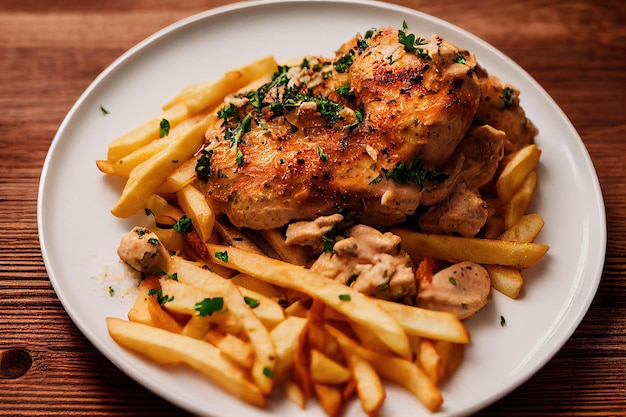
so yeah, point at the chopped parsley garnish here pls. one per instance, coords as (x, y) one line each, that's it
(203, 165)
(111, 291)
(343, 64)
(239, 157)
(103, 109)
(344, 297)
(141, 231)
(154, 241)
(183, 225)
(165, 127)
(323, 156)
(208, 306)
(502, 321)
(412, 43)
(226, 112)
(162, 299)
(507, 96)
(251, 302)
(222, 256)
(415, 173)
(235, 134)
(361, 45)
(460, 59)
(268, 372)
(345, 91)
(453, 281)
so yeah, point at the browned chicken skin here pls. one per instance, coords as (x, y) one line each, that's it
(361, 131)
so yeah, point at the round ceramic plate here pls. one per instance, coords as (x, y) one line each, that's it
(79, 236)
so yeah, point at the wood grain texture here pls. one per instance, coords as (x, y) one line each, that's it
(49, 53)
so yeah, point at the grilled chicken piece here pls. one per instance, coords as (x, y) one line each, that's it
(141, 250)
(361, 131)
(500, 108)
(462, 289)
(371, 262)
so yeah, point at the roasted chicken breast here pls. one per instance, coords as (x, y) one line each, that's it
(364, 130)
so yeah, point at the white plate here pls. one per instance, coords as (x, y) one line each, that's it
(79, 236)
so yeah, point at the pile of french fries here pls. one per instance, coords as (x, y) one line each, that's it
(251, 322)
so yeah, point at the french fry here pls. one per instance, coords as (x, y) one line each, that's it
(265, 355)
(522, 163)
(450, 355)
(285, 336)
(149, 175)
(267, 310)
(349, 302)
(145, 133)
(199, 96)
(147, 310)
(526, 229)
(433, 324)
(232, 347)
(325, 370)
(266, 289)
(369, 387)
(398, 370)
(172, 349)
(330, 398)
(192, 202)
(429, 361)
(296, 255)
(234, 237)
(505, 279)
(483, 251)
(520, 201)
(184, 175)
(295, 394)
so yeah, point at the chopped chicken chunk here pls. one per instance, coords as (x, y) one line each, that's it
(462, 289)
(372, 263)
(311, 233)
(142, 250)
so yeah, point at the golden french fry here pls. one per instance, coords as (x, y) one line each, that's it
(149, 175)
(184, 297)
(265, 355)
(185, 174)
(199, 96)
(124, 166)
(450, 355)
(427, 323)
(520, 201)
(234, 237)
(325, 370)
(429, 361)
(145, 133)
(106, 167)
(295, 394)
(296, 255)
(268, 290)
(370, 339)
(285, 337)
(523, 162)
(400, 371)
(147, 310)
(483, 251)
(330, 398)
(351, 303)
(159, 206)
(171, 349)
(194, 204)
(232, 347)
(506, 279)
(369, 387)
(267, 310)
(526, 229)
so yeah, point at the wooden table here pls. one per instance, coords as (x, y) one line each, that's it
(51, 50)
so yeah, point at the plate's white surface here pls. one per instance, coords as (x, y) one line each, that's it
(79, 236)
